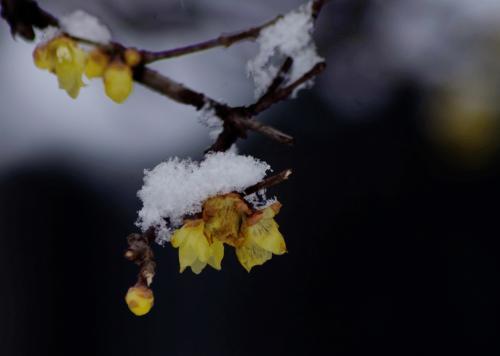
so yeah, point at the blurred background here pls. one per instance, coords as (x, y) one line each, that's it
(391, 218)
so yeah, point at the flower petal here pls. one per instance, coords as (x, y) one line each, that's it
(250, 255)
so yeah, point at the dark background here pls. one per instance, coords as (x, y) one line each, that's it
(391, 230)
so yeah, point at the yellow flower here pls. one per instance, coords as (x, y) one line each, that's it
(223, 215)
(195, 250)
(139, 299)
(261, 238)
(118, 81)
(63, 57)
(132, 57)
(96, 64)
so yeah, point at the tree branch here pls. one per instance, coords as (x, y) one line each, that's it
(221, 41)
(269, 182)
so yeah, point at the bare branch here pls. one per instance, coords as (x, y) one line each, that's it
(269, 182)
(283, 93)
(221, 41)
(235, 118)
(24, 15)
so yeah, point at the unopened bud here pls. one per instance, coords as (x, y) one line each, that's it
(139, 299)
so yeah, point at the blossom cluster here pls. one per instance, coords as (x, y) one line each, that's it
(228, 219)
(68, 61)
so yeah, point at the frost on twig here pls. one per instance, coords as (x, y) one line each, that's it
(290, 36)
(177, 188)
(208, 117)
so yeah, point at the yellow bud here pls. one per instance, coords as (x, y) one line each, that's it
(118, 81)
(139, 299)
(96, 64)
(132, 57)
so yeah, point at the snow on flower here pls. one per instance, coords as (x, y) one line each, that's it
(176, 188)
(83, 25)
(291, 36)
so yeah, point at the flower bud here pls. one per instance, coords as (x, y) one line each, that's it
(96, 64)
(132, 57)
(118, 81)
(139, 299)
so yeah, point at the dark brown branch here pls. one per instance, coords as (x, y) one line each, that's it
(237, 119)
(221, 41)
(23, 15)
(140, 252)
(317, 6)
(283, 93)
(269, 182)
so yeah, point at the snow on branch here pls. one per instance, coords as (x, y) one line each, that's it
(177, 188)
(289, 37)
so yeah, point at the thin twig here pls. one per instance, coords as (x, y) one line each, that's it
(221, 41)
(269, 182)
(285, 92)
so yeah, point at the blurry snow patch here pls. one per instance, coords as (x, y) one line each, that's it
(83, 25)
(48, 33)
(208, 118)
(178, 187)
(291, 36)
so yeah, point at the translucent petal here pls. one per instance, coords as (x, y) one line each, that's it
(223, 218)
(266, 235)
(250, 255)
(198, 266)
(216, 254)
(194, 249)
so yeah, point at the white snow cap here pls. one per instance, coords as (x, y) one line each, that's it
(176, 188)
(83, 25)
(291, 36)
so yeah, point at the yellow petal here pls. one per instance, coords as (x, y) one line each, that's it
(118, 82)
(96, 64)
(250, 255)
(216, 254)
(266, 235)
(222, 216)
(140, 300)
(63, 56)
(69, 77)
(42, 58)
(194, 249)
(197, 266)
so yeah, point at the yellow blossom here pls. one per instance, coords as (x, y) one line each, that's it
(223, 215)
(195, 250)
(261, 238)
(63, 57)
(139, 299)
(118, 81)
(132, 57)
(96, 64)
